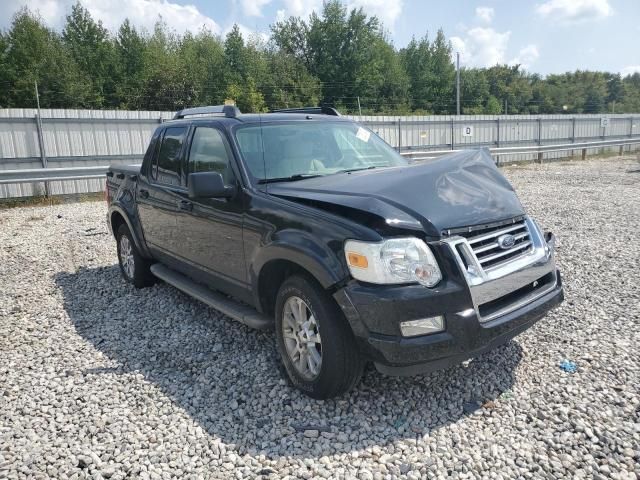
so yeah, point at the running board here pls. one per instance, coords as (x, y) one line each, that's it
(236, 310)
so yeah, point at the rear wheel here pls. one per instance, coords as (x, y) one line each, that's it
(134, 268)
(314, 339)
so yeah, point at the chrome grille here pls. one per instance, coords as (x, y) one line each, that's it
(487, 249)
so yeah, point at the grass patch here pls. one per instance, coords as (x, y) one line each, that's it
(42, 201)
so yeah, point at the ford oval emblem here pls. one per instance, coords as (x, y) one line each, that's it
(506, 241)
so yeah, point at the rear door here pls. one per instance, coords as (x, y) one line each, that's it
(211, 232)
(160, 192)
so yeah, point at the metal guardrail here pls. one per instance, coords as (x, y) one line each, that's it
(532, 149)
(80, 173)
(51, 174)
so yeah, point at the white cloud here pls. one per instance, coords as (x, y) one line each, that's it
(300, 8)
(526, 56)
(574, 11)
(387, 11)
(482, 47)
(253, 8)
(630, 70)
(142, 13)
(281, 15)
(485, 14)
(52, 11)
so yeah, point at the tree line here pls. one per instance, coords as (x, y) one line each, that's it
(338, 57)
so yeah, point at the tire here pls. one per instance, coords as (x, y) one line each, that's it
(134, 268)
(325, 330)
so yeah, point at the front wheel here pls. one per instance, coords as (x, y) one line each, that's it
(314, 339)
(134, 268)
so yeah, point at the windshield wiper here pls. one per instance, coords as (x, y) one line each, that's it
(292, 178)
(349, 170)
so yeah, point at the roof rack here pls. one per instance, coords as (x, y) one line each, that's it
(324, 110)
(229, 111)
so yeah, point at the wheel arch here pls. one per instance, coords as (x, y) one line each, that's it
(292, 254)
(117, 216)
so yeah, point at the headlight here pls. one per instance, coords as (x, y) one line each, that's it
(396, 260)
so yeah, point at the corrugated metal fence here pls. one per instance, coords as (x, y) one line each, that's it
(71, 138)
(100, 137)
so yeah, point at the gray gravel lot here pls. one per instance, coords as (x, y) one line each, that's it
(100, 380)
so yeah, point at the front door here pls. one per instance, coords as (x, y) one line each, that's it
(211, 232)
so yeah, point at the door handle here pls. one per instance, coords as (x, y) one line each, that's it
(186, 205)
(144, 193)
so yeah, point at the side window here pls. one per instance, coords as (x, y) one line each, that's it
(209, 153)
(167, 168)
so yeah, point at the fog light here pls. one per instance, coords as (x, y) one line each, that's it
(423, 326)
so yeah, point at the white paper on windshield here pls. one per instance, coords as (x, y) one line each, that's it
(363, 134)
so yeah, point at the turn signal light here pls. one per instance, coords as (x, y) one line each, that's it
(357, 260)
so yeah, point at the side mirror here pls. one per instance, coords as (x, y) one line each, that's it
(208, 185)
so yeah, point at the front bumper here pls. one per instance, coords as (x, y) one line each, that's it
(479, 316)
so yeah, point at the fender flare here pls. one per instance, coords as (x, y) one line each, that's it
(140, 245)
(304, 250)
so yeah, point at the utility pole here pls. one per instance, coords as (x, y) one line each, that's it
(359, 109)
(458, 83)
(506, 107)
(43, 157)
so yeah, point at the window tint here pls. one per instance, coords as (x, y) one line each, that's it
(209, 154)
(167, 168)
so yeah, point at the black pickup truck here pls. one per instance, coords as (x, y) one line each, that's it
(308, 222)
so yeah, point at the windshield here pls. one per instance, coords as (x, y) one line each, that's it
(293, 151)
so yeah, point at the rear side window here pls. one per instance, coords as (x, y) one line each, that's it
(167, 168)
(209, 153)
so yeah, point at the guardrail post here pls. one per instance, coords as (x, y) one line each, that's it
(573, 134)
(539, 131)
(43, 156)
(399, 135)
(452, 126)
(584, 154)
(540, 154)
(498, 132)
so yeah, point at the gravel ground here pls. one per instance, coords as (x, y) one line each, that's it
(99, 380)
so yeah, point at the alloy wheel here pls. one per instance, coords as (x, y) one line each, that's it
(302, 337)
(126, 256)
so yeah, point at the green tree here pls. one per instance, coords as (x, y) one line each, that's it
(493, 106)
(442, 74)
(90, 46)
(431, 74)
(289, 83)
(615, 89)
(129, 52)
(349, 54)
(234, 55)
(474, 91)
(33, 53)
(167, 85)
(202, 56)
(338, 56)
(416, 60)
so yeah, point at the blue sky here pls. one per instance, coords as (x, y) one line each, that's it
(546, 36)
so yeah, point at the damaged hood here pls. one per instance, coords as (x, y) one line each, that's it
(457, 190)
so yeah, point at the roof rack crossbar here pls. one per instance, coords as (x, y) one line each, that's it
(230, 111)
(323, 110)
